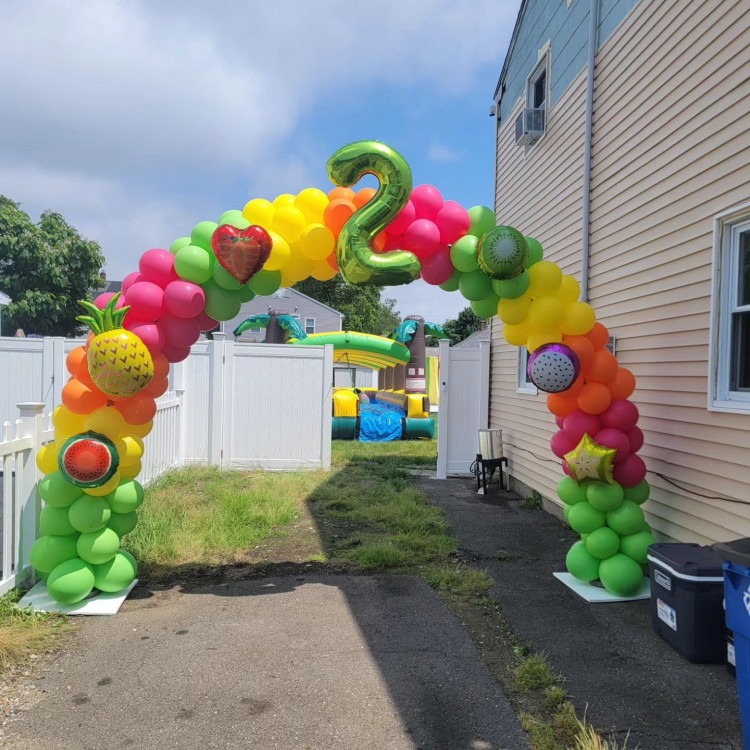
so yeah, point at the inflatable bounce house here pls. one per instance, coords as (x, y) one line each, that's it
(386, 237)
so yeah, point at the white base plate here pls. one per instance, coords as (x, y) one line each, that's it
(592, 593)
(102, 604)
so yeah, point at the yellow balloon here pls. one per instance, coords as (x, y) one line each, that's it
(545, 278)
(107, 421)
(298, 267)
(138, 430)
(322, 270)
(317, 242)
(46, 458)
(289, 222)
(546, 312)
(579, 319)
(516, 335)
(285, 199)
(287, 281)
(130, 450)
(570, 289)
(106, 488)
(312, 202)
(280, 252)
(514, 311)
(259, 211)
(67, 423)
(539, 337)
(131, 471)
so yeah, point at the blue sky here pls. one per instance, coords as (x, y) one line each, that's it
(136, 120)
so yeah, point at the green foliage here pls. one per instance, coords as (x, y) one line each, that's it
(534, 672)
(45, 269)
(463, 326)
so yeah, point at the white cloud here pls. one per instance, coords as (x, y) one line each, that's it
(441, 153)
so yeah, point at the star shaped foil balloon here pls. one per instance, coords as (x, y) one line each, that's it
(589, 460)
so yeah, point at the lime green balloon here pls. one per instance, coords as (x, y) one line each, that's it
(126, 497)
(202, 233)
(636, 545)
(584, 518)
(638, 493)
(502, 252)
(246, 293)
(485, 308)
(98, 546)
(620, 575)
(602, 542)
(464, 253)
(48, 551)
(482, 220)
(89, 514)
(604, 496)
(570, 492)
(180, 242)
(221, 304)
(512, 288)
(54, 521)
(566, 510)
(225, 279)
(535, 251)
(475, 285)
(234, 218)
(194, 263)
(123, 523)
(115, 574)
(627, 519)
(265, 283)
(55, 490)
(581, 564)
(452, 284)
(71, 581)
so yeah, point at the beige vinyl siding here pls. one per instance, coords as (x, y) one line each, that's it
(538, 192)
(671, 149)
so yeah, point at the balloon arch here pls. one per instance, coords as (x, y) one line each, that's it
(388, 236)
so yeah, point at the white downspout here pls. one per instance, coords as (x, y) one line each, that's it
(590, 76)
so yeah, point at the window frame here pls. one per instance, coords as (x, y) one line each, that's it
(523, 384)
(307, 321)
(543, 67)
(728, 228)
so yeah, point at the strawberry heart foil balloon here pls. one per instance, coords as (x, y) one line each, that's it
(242, 252)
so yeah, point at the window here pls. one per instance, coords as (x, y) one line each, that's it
(534, 117)
(729, 374)
(309, 325)
(523, 384)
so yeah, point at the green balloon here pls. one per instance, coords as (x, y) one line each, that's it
(202, 233)
(602, 542)
(55, 490)
(180, 242)
(566, 511)
(482, 220)
(98, 547)
(265, 283)
(221, 304)
(620, 575)
(89, 514)
(604, 496)
(475, 285)
(71, 581)
(452, 284)
(535, 251)
(193, 263)
(54, 521)
(636, 545)
(570, 492)
(123, 523)
(581, 564)
(512, 288)
(502, 253)
(584, 518)
(246, 293)
(225, 279)
(485, 308)
(639, 493)
(627, 519)
(49, 551)
(234, 218)
(464, 253)
(115, 574)
(126, 497)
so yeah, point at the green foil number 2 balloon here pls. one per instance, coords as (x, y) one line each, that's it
(357, 261)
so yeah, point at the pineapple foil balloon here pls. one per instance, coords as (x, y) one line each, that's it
(118, 361)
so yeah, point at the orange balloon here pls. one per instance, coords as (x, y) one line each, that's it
(161, 366)
(333, 261)
(80, 399)
(599, 336)
(137, 410)
(582, 346)
(156, 388)
(623, 385)
(342, 193)
(601, 368)
(561, 404)
(594, 398)
(337, 213)
(575, 386)
(363, 196)
(378, 243)
(76, 361)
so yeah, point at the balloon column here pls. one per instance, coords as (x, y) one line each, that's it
(387, 236)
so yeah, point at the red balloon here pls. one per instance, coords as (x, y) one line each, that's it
(179, 332)
(175, 353)
(614, 438)
(206, 322)
(578, 423)
(438, 269)
(242, 252)
(559, 421)
(621, 414)
(561, 444)
(630, 471)
(635, 438)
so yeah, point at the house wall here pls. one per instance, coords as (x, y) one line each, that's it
(671, 149)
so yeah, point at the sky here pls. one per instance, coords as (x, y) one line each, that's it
(136, 119)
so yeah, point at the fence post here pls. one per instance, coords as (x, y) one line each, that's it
(29, 504)
(484, 384)
(227, 416)
(59, 376)
(327, 411)
(215, 398)
(443, 403)
(177, 376)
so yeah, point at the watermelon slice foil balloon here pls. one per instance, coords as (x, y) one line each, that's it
(88, 459)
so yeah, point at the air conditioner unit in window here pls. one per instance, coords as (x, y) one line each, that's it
(529, 126)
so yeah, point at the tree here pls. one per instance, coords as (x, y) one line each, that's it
(362, 306)
(463, 326)
(45, 269)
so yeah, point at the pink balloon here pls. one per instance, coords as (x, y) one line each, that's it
(614, 438)
(566, 468)
(102, 299)
(422, 238)
(453, 221)
(403, 219)
(175, 353)
(635, 438)
(157, 266)
(149, 333)
(630, 471)
(179, 332)
(184, 299)
(129, 280)
(393, 242)
(561, 444)
(622, 414)
(438, 268)
(427, 201)
(206, 323)
(578, 423)
(559, 421)
(146, 300)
